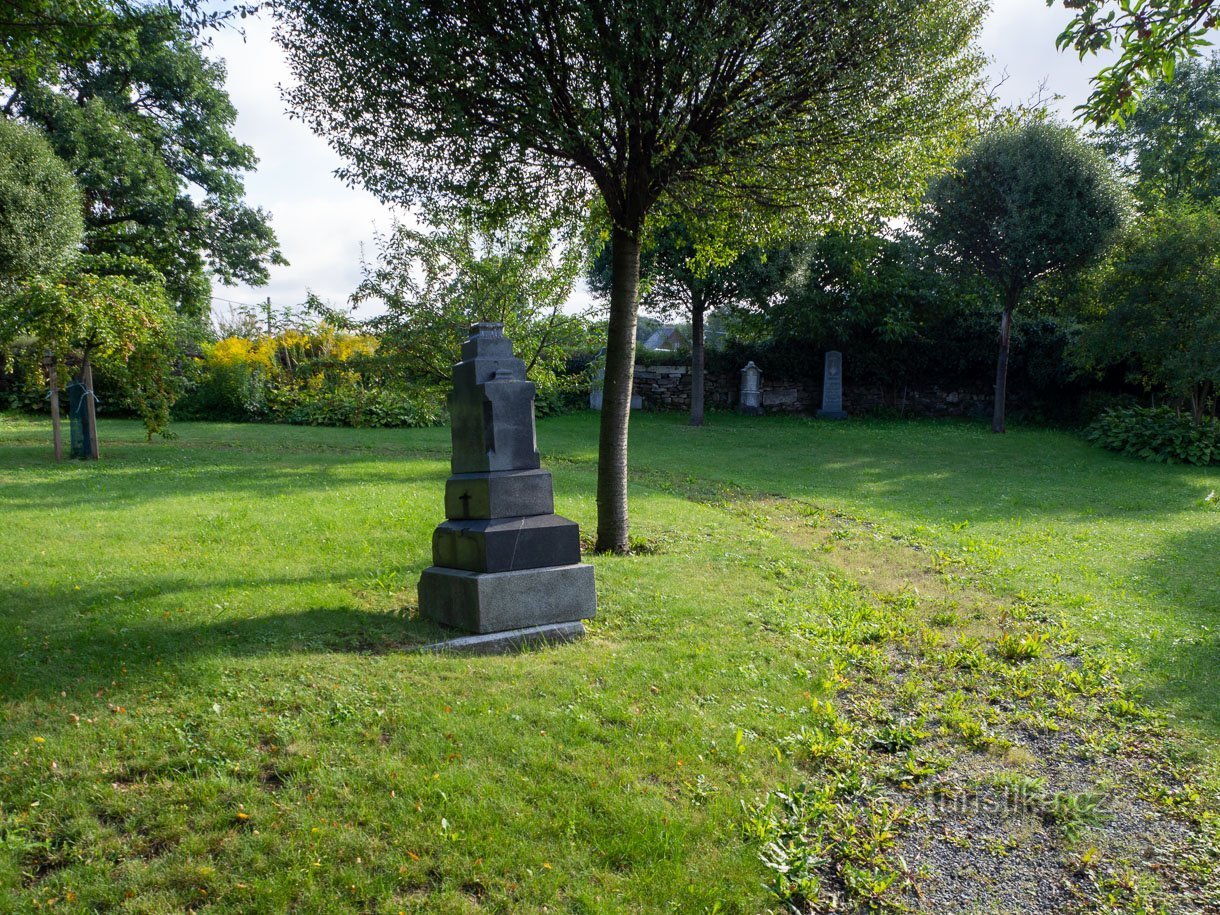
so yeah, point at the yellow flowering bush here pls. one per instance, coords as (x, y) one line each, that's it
(320, 376)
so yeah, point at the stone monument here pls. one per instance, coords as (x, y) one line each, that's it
(505, 566)
(750, 402)
(597, 388)
(832, 387)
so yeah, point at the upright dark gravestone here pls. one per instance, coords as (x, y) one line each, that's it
(832, 387)
(505, 566)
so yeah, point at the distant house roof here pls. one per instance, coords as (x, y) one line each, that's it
(667, 339)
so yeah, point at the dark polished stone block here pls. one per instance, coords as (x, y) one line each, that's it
(469, 376)
(507, 600)
(506, 494)
(487, 341)
(506, 544)
(494, 430)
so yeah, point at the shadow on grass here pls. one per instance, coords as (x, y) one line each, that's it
(93, 658)
(934, 471)
(121, 483)
(1185, 661)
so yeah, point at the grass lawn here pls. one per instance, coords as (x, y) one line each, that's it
(836, 645)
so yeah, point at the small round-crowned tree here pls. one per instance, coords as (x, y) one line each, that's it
(40, 205)
(1022, 204)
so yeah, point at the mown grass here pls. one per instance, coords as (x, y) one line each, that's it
(207, 701)
(1130, 551)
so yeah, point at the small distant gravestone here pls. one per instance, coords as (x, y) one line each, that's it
(598, 387)
(750, 401)
(505, 566)
(832, 387)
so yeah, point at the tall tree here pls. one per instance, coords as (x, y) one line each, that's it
(1024, 203)
(143, 119)
(40, 232)
(810, 109)
(1170, 145)
(1153, 36)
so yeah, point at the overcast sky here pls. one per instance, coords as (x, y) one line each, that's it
(322, 224)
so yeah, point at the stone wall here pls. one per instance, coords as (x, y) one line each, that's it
(667, 387)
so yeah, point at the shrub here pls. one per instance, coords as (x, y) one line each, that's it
(315, 378)
(231, 381)
(1157, 434)
(356, 406)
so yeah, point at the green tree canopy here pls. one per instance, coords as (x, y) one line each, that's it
(433, 284)
(38, 35)
(40, 206)
(143, 120)
(1158, 307)
(803, 111)
(107, 311)
(1024, 203)
(1170, 145)
(1153, 37)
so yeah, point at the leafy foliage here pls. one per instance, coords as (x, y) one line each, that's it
(1024, 204)
(318, 377)
(870, 296)
(40, 205)
(1159, 310)
(113, 312)
(537, 106)
(38, 35)
(143, 120)
(1170, 145)
(1154, 36)
(358, 407)
(950, 350)
(676, 278)
(1157, 434)
(433, 285)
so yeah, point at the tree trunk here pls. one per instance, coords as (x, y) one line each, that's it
(90, 406)
(698, 308)
(57, 433)
(1198, 399)
(1001, 369)
(616, 395)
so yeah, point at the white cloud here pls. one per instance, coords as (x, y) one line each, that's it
(321, 223)
(1019, 37)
